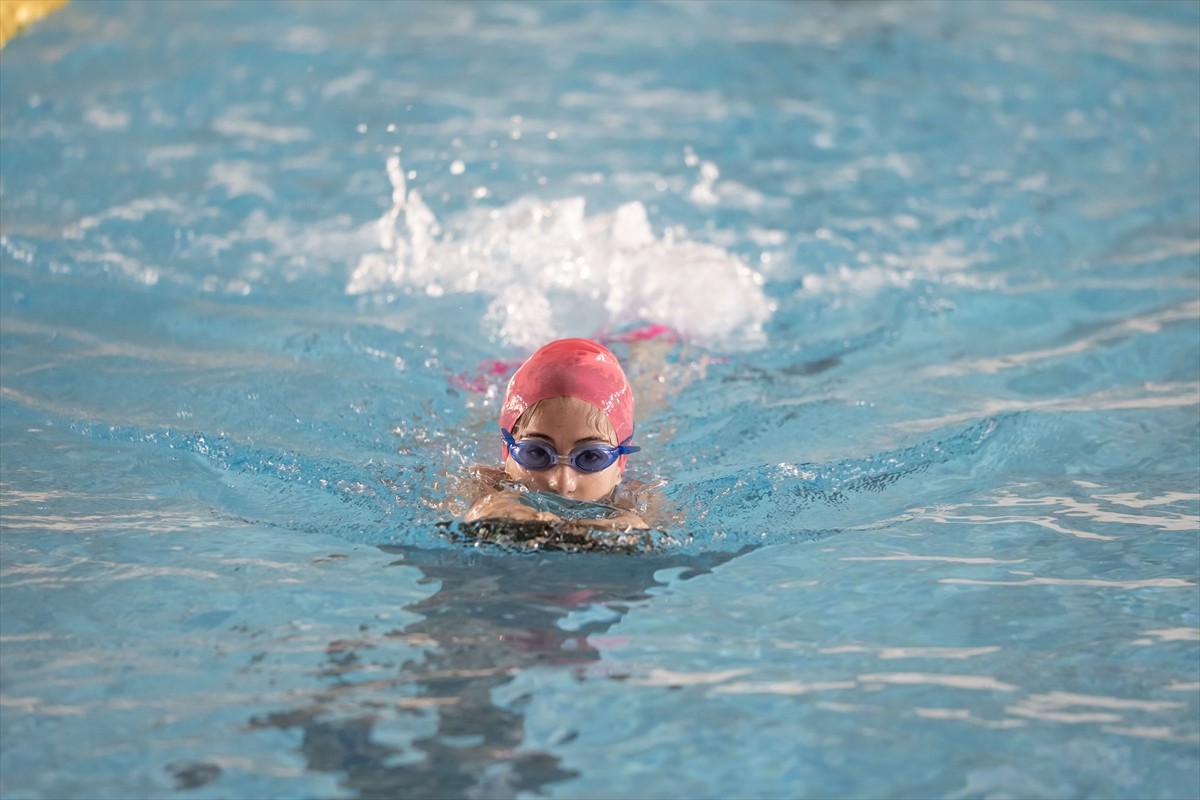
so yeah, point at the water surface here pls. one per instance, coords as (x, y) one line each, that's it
(924, 433)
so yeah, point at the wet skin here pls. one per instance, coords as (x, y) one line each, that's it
(563, 423)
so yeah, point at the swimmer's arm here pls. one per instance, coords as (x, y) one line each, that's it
(625, 521)
(507, 505)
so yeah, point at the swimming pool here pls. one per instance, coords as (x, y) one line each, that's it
(926, 431)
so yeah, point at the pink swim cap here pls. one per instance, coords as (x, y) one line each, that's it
(577, 368)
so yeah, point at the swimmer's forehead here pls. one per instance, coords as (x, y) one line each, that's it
(546, 419)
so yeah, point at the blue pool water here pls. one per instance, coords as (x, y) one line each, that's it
(925, 452)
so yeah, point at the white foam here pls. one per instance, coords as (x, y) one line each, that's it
(348, 84)
(237, 123)
(552, 270)
(106, 120)
(239, 178)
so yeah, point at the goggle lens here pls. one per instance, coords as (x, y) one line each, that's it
(533, 455)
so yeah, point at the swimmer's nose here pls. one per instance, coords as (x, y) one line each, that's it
(562, 480)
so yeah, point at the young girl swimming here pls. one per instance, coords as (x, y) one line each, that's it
(566, 428)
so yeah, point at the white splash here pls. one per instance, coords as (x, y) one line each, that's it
(551, 270)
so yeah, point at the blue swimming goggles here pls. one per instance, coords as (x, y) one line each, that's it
(536, 455)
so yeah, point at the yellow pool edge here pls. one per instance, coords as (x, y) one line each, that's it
(16, 15)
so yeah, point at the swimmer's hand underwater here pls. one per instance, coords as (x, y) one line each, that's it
(507, 504)
(516, 505)
(566, 427)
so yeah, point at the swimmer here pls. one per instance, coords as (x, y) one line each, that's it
(566, 430)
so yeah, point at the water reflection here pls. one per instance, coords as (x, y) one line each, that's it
(495, 614)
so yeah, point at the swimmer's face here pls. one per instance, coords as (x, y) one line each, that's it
(564, 423)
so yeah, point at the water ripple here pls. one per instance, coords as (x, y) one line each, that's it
(1152, 583)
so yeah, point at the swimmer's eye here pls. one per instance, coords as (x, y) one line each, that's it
(535, 456)
(593, 458)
